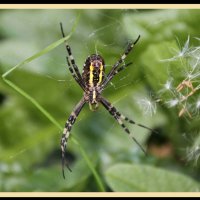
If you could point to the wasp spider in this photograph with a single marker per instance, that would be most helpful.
(93, 81)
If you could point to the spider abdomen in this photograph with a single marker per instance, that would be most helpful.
(93, 71)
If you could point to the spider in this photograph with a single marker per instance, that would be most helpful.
(93, 81)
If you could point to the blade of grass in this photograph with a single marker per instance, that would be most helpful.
(89, 163)
(41, 109)
(34, 102)
(44, 51)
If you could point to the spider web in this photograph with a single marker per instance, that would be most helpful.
(24, 131)
(56, 81)
(53, 69)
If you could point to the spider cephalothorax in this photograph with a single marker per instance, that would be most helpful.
(93, 81)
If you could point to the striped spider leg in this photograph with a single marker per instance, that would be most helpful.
(72, 118)
(120, 118)
(68, 126)
(70, 61)
(115, 69)
(93, 80)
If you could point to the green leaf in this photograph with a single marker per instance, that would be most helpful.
(142, 178)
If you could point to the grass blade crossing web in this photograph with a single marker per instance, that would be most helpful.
(45, 112)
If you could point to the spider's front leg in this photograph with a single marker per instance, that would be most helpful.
(115, 69)
(71, 63)
(66, 132)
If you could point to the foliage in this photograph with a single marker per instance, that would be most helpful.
(30, 139)
(130, 178)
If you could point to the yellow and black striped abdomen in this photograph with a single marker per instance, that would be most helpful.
(93, 70)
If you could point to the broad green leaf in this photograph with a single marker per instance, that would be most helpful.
(143, 178)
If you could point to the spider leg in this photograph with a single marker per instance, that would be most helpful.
(74, 75)
(120, 118)
(71, 61)
(115, 66)
(66, 132)
(120, 69)
(117, 71)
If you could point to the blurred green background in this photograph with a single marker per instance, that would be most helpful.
(30, 157)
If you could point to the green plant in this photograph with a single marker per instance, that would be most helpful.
(99, 152)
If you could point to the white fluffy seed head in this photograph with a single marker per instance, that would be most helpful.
(147, 105)
(172, 102)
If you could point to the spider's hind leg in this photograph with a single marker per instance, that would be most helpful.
(66, 132)
(120, 118)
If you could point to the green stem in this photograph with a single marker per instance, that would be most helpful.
(34, 102)
(44, 51)
(89, 163)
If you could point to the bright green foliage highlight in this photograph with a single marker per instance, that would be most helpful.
(143, 178)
